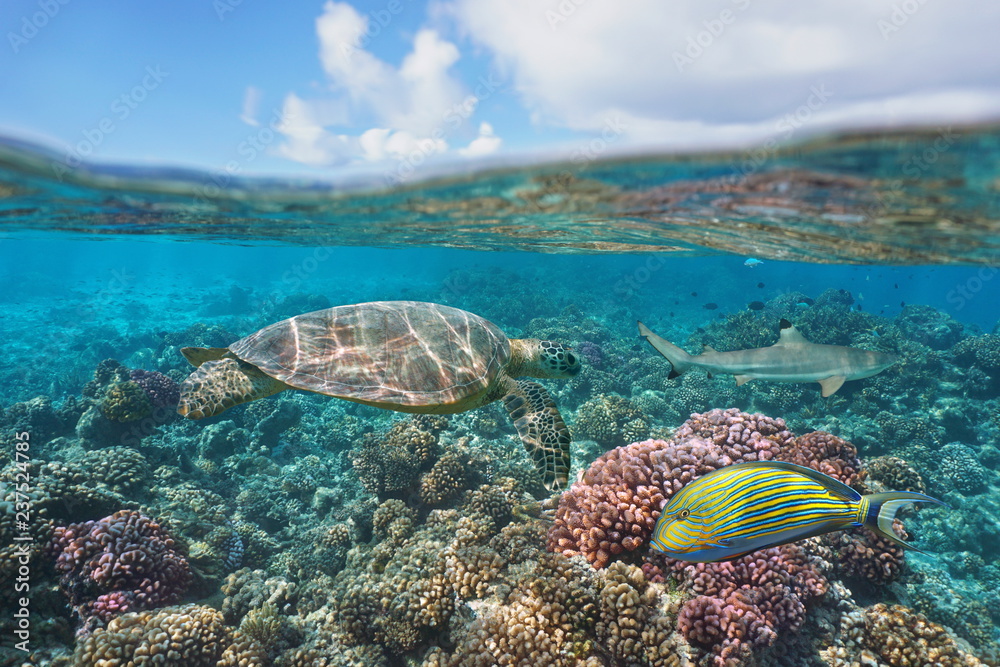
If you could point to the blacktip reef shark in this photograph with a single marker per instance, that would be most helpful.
(791, 359)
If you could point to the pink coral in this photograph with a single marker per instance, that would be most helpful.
(124, 562)
(744, 603)
(826, 453)
(614, 507)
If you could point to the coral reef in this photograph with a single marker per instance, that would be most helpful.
(126, 402)
(161, 390)
(124, 562)
(612, 510)
(611, 420)
(389, 465)
(746, 603)
(959, 469)
(182, 636)
(331, 533)
(738, 606)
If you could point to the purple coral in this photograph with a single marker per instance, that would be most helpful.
(745, 603)
(161, 390)
(592, 352)
(124, 562)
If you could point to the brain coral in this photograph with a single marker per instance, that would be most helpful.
(124, 562)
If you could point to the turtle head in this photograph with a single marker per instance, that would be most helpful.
(547, 359)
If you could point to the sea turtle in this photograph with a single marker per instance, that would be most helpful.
(405, 356)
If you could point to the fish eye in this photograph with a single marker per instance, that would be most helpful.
(683, 514)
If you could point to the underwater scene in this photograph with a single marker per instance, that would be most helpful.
(719, 409)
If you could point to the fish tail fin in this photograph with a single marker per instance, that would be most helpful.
(680, 361)
(882, 508)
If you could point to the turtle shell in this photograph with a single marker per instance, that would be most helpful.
(404, 353)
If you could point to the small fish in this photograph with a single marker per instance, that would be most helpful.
(711, 305)
(694, 294)
(902, 304)
(895, 286)
(752, 262)
(756, 305)
(749, 506)
(760, 285)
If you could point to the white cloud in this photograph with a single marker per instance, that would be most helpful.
(689, 73)
(306, 138)
(407, 105)
(485, 144)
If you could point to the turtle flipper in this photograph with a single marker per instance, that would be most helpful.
(542, 430)
(216, 386)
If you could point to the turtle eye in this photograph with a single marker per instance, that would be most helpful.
(570, 359)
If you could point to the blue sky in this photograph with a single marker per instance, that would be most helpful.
(392, 86)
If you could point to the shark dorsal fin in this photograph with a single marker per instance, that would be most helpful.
(790, 335)
(707, 348)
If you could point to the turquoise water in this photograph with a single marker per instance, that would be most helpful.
(311, 531)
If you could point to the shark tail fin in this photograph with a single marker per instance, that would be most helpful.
(680, 361)
(882, 508)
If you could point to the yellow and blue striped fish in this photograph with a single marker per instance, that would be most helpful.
(750, 506)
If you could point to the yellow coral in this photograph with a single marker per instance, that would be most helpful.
(126, 402)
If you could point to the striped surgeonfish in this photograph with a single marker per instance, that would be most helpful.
(749, 506)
